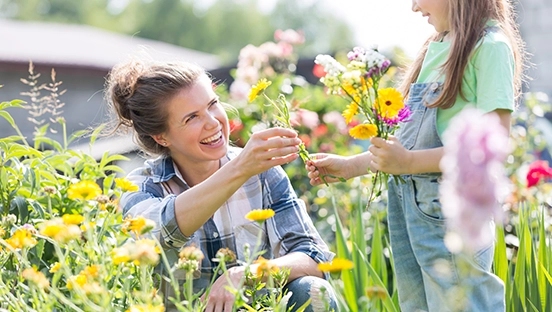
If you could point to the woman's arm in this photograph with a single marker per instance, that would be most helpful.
(264, 150)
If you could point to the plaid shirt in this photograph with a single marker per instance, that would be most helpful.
(290, 230)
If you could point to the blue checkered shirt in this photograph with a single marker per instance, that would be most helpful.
(290, 230)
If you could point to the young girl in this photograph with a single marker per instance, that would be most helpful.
(474, 59)
(199, 189)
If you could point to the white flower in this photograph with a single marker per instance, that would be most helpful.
(331, 66)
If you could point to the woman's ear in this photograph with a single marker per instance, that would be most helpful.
(160, 139)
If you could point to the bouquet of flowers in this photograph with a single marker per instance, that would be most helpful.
(380, 110)
(358, 82)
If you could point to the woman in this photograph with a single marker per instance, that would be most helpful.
(199, 189)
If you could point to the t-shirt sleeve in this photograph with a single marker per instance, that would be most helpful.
(495, 68)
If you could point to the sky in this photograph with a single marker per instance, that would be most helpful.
(386, 23)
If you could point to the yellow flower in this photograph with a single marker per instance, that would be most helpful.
(72, 219)
(336, 265)
(77, 281)
(35, 277)
(120, 255)
(55, 267)
(265, 266)
(349, 89)
(191, 253)
(145, 252)
(389, 103)
(138, 225)
(364, 131)
(59, 231)
(259, 215)
(85, 190)
(92, 271)
(21, 238)
(256, 89)
(146, 308)
(125, 185)
(350, 112)
(376, 292)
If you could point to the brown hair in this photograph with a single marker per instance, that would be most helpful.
(468, 20)
(137, 91)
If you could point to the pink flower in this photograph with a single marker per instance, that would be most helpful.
(290, 36)
(305, 118)
(474, 181)
(538, 170)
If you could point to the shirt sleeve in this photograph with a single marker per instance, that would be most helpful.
(495, 70)
(291, 229)
(150, 202)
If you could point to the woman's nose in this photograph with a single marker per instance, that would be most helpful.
(415, 7)
(212, 121)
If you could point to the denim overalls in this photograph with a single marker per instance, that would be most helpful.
(428, 275)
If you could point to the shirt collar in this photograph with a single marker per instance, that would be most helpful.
(163, 168)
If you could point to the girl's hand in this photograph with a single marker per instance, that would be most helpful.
(220, 299)
(389, 156)
(266, 149)
(323, 164)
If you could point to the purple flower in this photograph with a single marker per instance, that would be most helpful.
(403, 116)
(474, 181)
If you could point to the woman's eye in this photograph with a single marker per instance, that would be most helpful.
(190, 118)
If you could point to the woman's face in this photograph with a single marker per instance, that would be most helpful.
(197, 126)
(435, 10)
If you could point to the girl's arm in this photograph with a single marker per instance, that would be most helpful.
(346, 167)
(391, 157)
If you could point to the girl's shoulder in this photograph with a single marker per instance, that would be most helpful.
(493, 44)
(493, 36)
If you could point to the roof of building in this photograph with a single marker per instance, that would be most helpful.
(84, 46)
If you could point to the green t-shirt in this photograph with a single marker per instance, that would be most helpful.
(488, 82)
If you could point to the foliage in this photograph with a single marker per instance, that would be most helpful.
(64, 245)
(221, 28)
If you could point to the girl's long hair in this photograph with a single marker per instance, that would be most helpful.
(468, 20)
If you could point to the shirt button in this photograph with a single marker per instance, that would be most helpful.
(215, 235)
(434, 86)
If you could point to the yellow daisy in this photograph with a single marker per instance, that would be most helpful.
(259, 215)
(72, 219)
(256, 89)
(265, 266)
(36, 277)
(125, 185)
(364, 131)
(85, 190)
(389, 103)
(350, 112)
(336, 265)
(55, 267)
(21, 238)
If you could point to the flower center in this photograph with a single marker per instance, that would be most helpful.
(388, 103)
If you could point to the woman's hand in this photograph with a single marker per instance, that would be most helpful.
(389, 156)
(268, 148)
(220, 299)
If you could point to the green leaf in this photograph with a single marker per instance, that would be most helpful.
(8, 117)
(20, 204)
(96, 133)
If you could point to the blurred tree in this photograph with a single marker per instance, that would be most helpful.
(222, 28)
